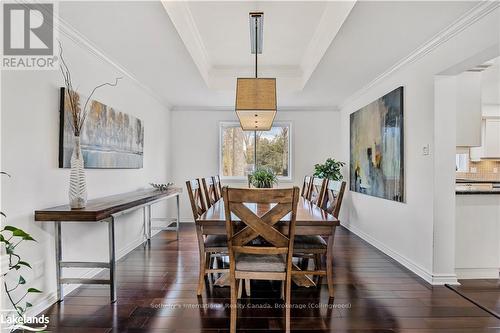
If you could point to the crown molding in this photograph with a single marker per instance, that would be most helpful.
(66, 29)
(181, 108)
(328, 27)
(186, 27)
(463, 22)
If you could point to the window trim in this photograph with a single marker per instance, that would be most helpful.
(239, 179)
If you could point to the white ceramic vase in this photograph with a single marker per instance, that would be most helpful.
(77, 181)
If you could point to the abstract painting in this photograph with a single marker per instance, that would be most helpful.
(377, 148)
(110, 139)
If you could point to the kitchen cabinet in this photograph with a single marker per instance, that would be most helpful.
(490, 141)
(492, 138)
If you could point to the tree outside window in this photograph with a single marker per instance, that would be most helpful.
(240, 149)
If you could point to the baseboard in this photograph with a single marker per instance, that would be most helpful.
(51, 298)
(436, 279)
(477, 273)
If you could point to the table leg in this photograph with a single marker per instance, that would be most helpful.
(149, 223)
(58, 252)
(329, 264)
(178, 216)
(112, 259)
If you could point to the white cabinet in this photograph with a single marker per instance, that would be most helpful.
(468, 109)
(490, 141)
(492, 138)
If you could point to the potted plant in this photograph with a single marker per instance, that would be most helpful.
(15, 285)
(331, 169)
(262, 178)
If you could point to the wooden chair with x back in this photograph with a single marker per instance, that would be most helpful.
(271, 259)
(306, 187)
(210, 190)
(208, 245)
(218, 186)
(315, 246)
(317, 190)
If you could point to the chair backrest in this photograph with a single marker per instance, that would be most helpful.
(218, 186)
(271, 206)
(317, 190)
(306, 187)
(210, 191)
(332, 199)
(196, 198)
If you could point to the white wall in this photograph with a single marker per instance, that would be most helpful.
(415, 233)
(30, 123)
(195, 142)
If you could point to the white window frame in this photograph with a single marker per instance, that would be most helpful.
(238, 179)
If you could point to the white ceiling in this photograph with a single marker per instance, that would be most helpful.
(296, 35)
(143, 39)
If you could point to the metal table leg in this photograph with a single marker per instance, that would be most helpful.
(58, 251)
(178, 217)
(149, 223)
(112, 259)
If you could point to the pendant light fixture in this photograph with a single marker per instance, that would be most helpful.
(256, 97)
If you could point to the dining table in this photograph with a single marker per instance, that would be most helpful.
(310, 220)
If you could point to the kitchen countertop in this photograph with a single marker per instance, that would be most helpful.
(464, 186)
(479, 181)
(472, 191)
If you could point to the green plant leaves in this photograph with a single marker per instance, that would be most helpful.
(263, 178)
(24, 263)
(21, 280)
(33, 290)
(16, 232)
(331, 169)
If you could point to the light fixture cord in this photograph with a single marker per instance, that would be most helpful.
(256, 44)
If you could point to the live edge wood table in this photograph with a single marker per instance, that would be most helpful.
(310, 220)
(105, 210)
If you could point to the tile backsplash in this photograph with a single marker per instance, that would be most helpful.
(485, 170)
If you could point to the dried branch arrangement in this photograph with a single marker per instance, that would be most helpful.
(78, 114)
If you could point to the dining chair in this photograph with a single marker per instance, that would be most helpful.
(314, 246)
(209, 188)
(317, 190)
(218, 186)
(209, 245)
(260, 248)
(306, 187)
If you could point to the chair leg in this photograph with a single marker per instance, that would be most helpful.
(247, 287)
(201, 277)
(329, 265)
(288, 285)
(234, 301)
(317, 267)
(211, 261)
(240, 288)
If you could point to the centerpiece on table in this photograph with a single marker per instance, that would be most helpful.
(262, 178)
(77, 181)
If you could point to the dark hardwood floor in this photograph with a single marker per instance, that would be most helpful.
(484, 292)
(157, 293)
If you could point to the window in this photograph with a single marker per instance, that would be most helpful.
(462, 164)
(240, 149)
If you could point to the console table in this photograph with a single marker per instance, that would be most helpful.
(104, 210)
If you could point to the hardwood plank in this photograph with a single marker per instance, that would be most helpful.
(157, 293)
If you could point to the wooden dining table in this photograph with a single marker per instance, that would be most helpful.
(310, 220)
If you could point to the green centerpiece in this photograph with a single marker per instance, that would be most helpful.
(262, 178)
